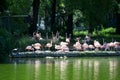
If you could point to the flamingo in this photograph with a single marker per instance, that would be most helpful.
(77, 46)
(37, 46)
(116, 43)
(87, 38)
(85, 46)
(105, 46)
(37, 35)
(15, 50)
(64, 48)
(117, 46)
(91, 47)
(54, 38)
(63, 43)
(40, 37)
(68, 38)
(29, 48)
(57, 47)
(49, 45)
(111, 45)
(97, 44)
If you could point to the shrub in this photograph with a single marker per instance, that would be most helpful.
(77, 33)
(23, 42)
(105, 31)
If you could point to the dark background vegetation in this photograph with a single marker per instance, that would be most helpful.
(18, 19)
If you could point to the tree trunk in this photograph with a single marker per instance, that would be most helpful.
(70, 24)
(118, 24)
(3, 5)
(90, 30)
(117, 15)
(53, 27)
(33, 25)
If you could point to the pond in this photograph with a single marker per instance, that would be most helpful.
(85, 68)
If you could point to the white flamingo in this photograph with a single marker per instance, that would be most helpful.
(68, 38)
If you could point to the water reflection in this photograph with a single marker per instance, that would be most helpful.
(62, 69)
(112, 69)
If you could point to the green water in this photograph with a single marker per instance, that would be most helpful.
(97, 68)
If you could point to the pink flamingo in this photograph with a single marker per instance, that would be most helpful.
(49, 45)
(37, 46)
(97, 44)
(85, 46)
(77, 46)
(29, 48)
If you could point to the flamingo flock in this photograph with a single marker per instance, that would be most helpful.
(65, 46)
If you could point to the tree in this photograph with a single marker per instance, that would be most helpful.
(70, 5)
(19, 7)
(70, 24)
(33, 25)
(95, 12)
(53, 14)
(3, 5)
(117, 14)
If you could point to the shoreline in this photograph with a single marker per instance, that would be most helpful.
(50, 54)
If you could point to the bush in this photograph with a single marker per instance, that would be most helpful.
(104, 32)
(77, 33)
(23, 42)
(109, 30)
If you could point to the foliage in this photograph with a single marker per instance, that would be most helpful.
(44, 8)
(95, 12)
(79, 33)
(23, 42)
(19, 6)
(107, 30)
(6, 42)
(104, 31)
(3, 5)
